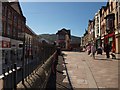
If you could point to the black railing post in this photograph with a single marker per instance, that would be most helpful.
(23, 58)
(12, 75)
(8, 69)
(15, 78)
(8, 78)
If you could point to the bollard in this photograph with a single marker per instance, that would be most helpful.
(12, 75)
(15, 68)
(22, 75)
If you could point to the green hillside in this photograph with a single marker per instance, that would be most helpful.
(53, 37)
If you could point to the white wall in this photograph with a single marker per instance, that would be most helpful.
(97, 24)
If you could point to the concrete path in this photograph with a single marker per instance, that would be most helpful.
(85, 72)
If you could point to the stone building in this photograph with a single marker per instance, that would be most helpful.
(117, 31)
(103, 24)
(97, 29)
(91, 31)
(111, 25)
(85, 39)
(64, 38)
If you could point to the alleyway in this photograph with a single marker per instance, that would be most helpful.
(85, 72)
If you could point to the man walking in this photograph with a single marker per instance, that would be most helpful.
(107, 50)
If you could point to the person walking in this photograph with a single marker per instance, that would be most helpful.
(89, 49)
(107, 50)
(93, 50)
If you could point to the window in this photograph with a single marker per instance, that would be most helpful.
(14, 32)
(3, 28)
(111, 6)
(117, 18)
(19, 20)
(119, 15)
(61, 37)
(9, 14)
(97, 29)
(110, 23)
(4, 10)
(15, 19)
(19, 23)
(8, 29)
(19, 33)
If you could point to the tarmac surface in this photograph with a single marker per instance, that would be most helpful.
(77, 71)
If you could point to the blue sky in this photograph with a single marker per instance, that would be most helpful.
(49, 17)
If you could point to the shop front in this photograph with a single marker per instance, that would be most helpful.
(6, 49)
(98, 42)
(110, 39)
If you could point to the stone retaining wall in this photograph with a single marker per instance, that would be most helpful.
(39, 78)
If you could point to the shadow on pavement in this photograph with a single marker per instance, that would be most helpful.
(59, 80)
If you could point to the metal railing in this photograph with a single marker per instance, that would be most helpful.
(21, 71)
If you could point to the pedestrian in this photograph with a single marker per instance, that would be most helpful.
(93, 50)
(89, 49)
(107, 50)
(99, 50)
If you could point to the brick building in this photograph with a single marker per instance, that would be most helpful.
(13, 25)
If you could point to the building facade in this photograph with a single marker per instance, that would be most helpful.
(106, 27)
(91, 35)
(13, 25)
(64, 38)
(117, 32)
(97, 29)
(31, 43)
(111, 25)
(103, 14)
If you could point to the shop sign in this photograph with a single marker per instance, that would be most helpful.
(5, 44)
(110, 39)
